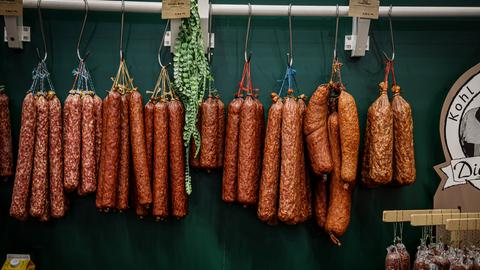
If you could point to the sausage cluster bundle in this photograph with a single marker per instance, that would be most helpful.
(285, 192)
(389, 152)
(211, 121)
(38, 189)
(442, 257)
(243, 145)
(6, 151)
(397, 258)
(332, 135)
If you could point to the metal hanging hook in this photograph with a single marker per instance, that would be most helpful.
(391, 36)
(161, 46)
(121, 31)
(247, 57)
(290, 54)
(42, 32)
(336, 34)
(81, 33)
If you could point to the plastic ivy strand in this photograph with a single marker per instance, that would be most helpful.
(190, 73)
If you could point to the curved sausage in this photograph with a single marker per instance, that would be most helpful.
(247, 182)
(305, 189)
(209, 130)
(404, 171)
(38, 198)
(88, 183)
(6, 151)
(139, 153)
(321, 201)
(72, 127)
(149, 107)
(98, 109)
(23, 174)
(268, 193)
(230, 163)
(160, 161)
(220, 132)
(177, 159)
(340, 200)
(124, 169)
(101, 168)
(289, 199)
(57, 195)
(349, 135)
(112, 150)
(315, 130)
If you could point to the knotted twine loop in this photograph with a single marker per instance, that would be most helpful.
(163, 87)
(246, 84)
(39, 75)
(82, 83)
(289, 83)
(123, 82)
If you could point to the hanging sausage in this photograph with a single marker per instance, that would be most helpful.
(6, 151)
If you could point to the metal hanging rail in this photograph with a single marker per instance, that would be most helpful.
(258, 10)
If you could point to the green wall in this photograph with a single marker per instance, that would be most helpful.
(431, 54)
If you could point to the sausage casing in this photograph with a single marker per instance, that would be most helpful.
(55, 155)
(349, 136)
(160, 161)
(315, 130)
(38, 198)
(176, 120)
(72, 128)
(139, 154)
(230, 163)
(268, 193)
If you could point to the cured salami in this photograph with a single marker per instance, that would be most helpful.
(101, 169)
(209, 132)
(57, 195)
(39, 194)
(177, 159)
(220, 132)
(315, 130)
(230, 164)
(268, 194)
(6, 151)
(139, 154)
(160, 161)
(88, 183)
(148, 114)
(72, 127)
(98, 108)
(124, 169)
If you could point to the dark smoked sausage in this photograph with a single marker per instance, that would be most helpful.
(6, 151)
(23, 174)
(38, 198)
(139, 153)
(177, 159)
(124, 169)
(57, 195)
(160, 161)
(268, 194)
(305, 189)
(230, 164)
(349, 136)
(321, 200)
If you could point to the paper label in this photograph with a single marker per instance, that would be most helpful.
(175, 9)
(364, 8)
(11, 7)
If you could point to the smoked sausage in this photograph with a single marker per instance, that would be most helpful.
(38, 198)
(88, 183)
(57, 195)
(305, 189)
(72, 127)
(209, 130)
(247, 183)
(321, 200)
(160, 160)
(315, 130)
(23, 174)
(220, 132)
(289, 194)
(124, 169)
(230, 164)
(340, 195)
(268, 193)
(6, 151)
(176, 119)
(349, 135)
(139, 154)
(112, 150)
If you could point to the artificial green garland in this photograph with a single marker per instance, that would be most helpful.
(190, 71)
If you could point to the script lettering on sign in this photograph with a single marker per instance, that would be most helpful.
(364, 8)
(175, 9)
(11, 7)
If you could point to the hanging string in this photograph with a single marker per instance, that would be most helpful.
(82, 79)
(39, 75)
(245, 84)
(288, 81)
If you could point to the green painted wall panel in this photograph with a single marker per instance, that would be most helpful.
(431, 54)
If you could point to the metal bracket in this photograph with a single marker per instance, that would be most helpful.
(15, 32)
(359, 37)
(203, 10)
(351, 40)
